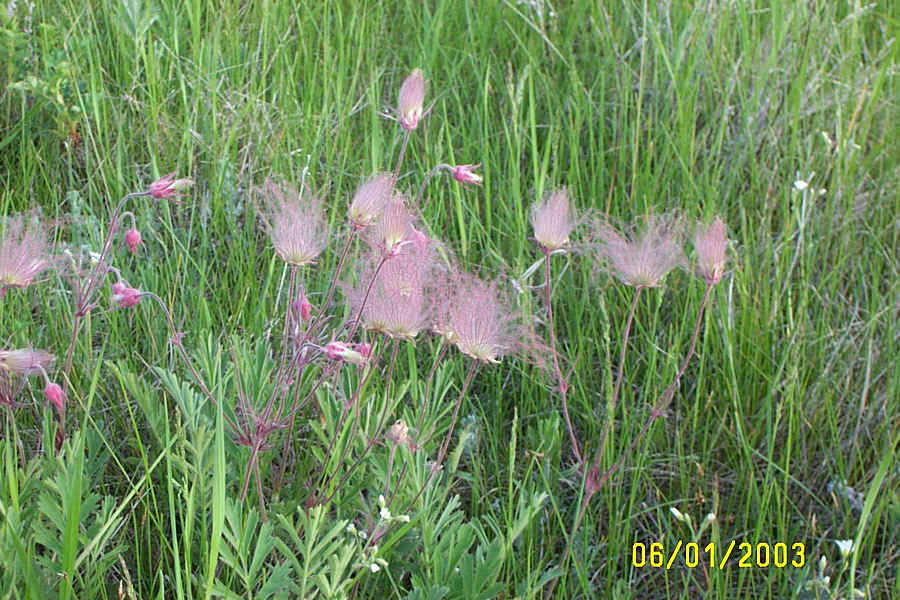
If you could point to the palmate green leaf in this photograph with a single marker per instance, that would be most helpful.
(322, 558)
(435, 592)
(248, 552)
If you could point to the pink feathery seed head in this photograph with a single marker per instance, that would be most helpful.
(133, 239)
(23, 251)
(398, 303)
(26, 361)
(295, 222)
(393, 229)
(56, 396)
(124, 296)
(477, 320)
(553, 220)
(710, 242)
(370, 199)
(411, 100)
(642, 259)
(355, 354)
(467, 174)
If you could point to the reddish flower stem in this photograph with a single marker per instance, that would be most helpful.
(563, 384)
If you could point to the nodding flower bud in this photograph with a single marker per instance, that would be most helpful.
(133, 239)
(57, 397)
(303, 308)
(168, 187)
(399, 433)
(467, 174)
(411, 99)
(355, 354)
(124, 296)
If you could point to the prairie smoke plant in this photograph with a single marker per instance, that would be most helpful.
(26, 361)
(553, 220)
(710, 242)
(23, 252)
(133, 240)
(642, 259)
(124, 296)
(168, 187)
(370, 199)
(474, 318)
(56, 396)
(392, 228)
(355, 354)
(295, 223)
(411, 99)
(467, 174)
(391, 293)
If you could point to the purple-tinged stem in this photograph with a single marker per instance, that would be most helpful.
(420, 441)
(563, 384)
(87, 292)
(373, 440)
(353, 402)
(593, 483)
(473, 368)
(402, 152)
(431, 174)
(176, 341)
(612, 412)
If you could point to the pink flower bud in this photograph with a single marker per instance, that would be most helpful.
(133, 239)
(355, 354)
(411, 99)
(124, 296)
(57, 397)
(168, 187)
(466, 174)
(303, 308)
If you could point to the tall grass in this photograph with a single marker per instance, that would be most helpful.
(782, 117)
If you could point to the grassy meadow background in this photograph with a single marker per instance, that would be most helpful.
(780, 116)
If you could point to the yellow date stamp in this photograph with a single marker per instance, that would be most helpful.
(744, 555)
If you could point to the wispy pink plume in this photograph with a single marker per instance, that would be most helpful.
(642, 258)
(392, 229)
(26, 361)
(23, 252)
(553, 220)
(710, 242)
(411, 100)
(370, 199)
(398, 303)
(295, 223)
(472, 315)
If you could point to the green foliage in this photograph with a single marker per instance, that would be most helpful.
(782, 118)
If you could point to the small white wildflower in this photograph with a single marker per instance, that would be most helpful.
(845, 546)
(351, 528)
(680, 516)
(711, 517)
(374, 567)
(823, 562)
(801, 184)
(381, 501)
(382, 562)
(385, 513)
